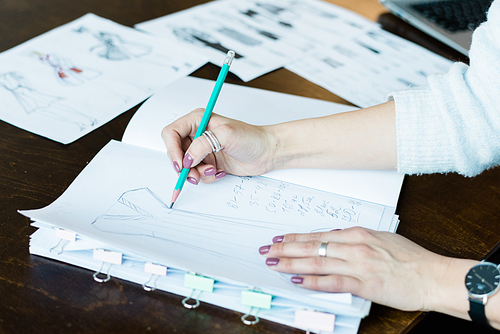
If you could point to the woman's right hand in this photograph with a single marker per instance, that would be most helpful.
(246, 149)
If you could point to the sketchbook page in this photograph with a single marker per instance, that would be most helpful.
(264, 35)
(366, 68)
(120, 199)
(260, 107)
(75, 78)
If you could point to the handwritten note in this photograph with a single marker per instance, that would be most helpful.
(264, 199)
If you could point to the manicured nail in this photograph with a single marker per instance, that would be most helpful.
(192, 180)
(272, 262)
(264, 249)
(220, 175)
(176, 167)
(209, 172)
(278, 239)
(337, 229)
(187, 161)
(297, 280)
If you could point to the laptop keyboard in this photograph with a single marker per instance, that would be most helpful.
(456, 15)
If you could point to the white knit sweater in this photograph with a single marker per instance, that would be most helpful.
(453, 124)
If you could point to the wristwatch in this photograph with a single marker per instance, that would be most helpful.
(482, 281)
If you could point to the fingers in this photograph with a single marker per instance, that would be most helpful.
(306, 249)
(329, 283)
(184, 152)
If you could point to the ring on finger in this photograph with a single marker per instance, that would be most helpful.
(322, 249)
(213, 141)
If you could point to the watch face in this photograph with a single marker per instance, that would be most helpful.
(483, 279)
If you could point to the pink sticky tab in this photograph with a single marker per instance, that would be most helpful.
(313, 320)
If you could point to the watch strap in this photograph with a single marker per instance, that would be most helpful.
(477, 313)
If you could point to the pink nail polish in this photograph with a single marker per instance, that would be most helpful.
(176, 167)
(220, 175)
(209, 172)
(337, 229)
(264, 249)
(192, 180)
(297, 280)
(272, 262)
(278, 239)
(187, 161)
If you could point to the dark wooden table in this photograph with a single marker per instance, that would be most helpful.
(448, 214)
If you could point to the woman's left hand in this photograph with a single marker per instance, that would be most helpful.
(383, 267)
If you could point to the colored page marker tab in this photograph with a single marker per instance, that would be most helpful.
(200, 283)
(155, 269)
(313, 320)
(107, 256)
(65, 235)
(256, 299)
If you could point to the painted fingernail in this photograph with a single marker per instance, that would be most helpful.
(220, 175)
(278, 239)
(272, 262)
(187, 161)
(297, 280)
(264, 249)
(337, 229)
(209, 172)
(176, 167)
(192, 180)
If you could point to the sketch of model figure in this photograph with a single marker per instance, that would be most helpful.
(113, 47)
(33, 101)
(140, 212)
(65, 71)
(194, 36)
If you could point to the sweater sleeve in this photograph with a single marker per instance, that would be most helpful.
(453, 124)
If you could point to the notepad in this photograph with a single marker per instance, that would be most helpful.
(119, 226)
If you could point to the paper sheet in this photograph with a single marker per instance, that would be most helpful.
(265, 35)
(366, 68)
(73, 79)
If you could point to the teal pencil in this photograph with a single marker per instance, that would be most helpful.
(204, 121)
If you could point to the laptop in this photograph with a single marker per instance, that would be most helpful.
(450, 21)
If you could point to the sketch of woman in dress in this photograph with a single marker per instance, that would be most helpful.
(113, 47)
(66, 72)
(33, 101)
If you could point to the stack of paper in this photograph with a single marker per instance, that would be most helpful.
(114, 218)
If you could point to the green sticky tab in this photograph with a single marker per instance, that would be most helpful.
(256, 299)
(198, 282)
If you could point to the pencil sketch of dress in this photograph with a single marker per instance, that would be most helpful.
(195, 36)
(66, 72)
(113, 47)
(31, 100)
(140, 212)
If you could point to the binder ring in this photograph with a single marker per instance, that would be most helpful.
(100, 279)
(250, 322)
(62, 243)
(191, 306)
(146, 287)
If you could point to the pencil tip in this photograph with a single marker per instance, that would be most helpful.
(171, 205)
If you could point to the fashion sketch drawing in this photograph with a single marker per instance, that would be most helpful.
(34, 101)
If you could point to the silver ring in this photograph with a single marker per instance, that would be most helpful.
(322, 249)
(213, 141)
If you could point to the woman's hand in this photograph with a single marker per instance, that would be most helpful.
(246, 149)
(379, 266)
